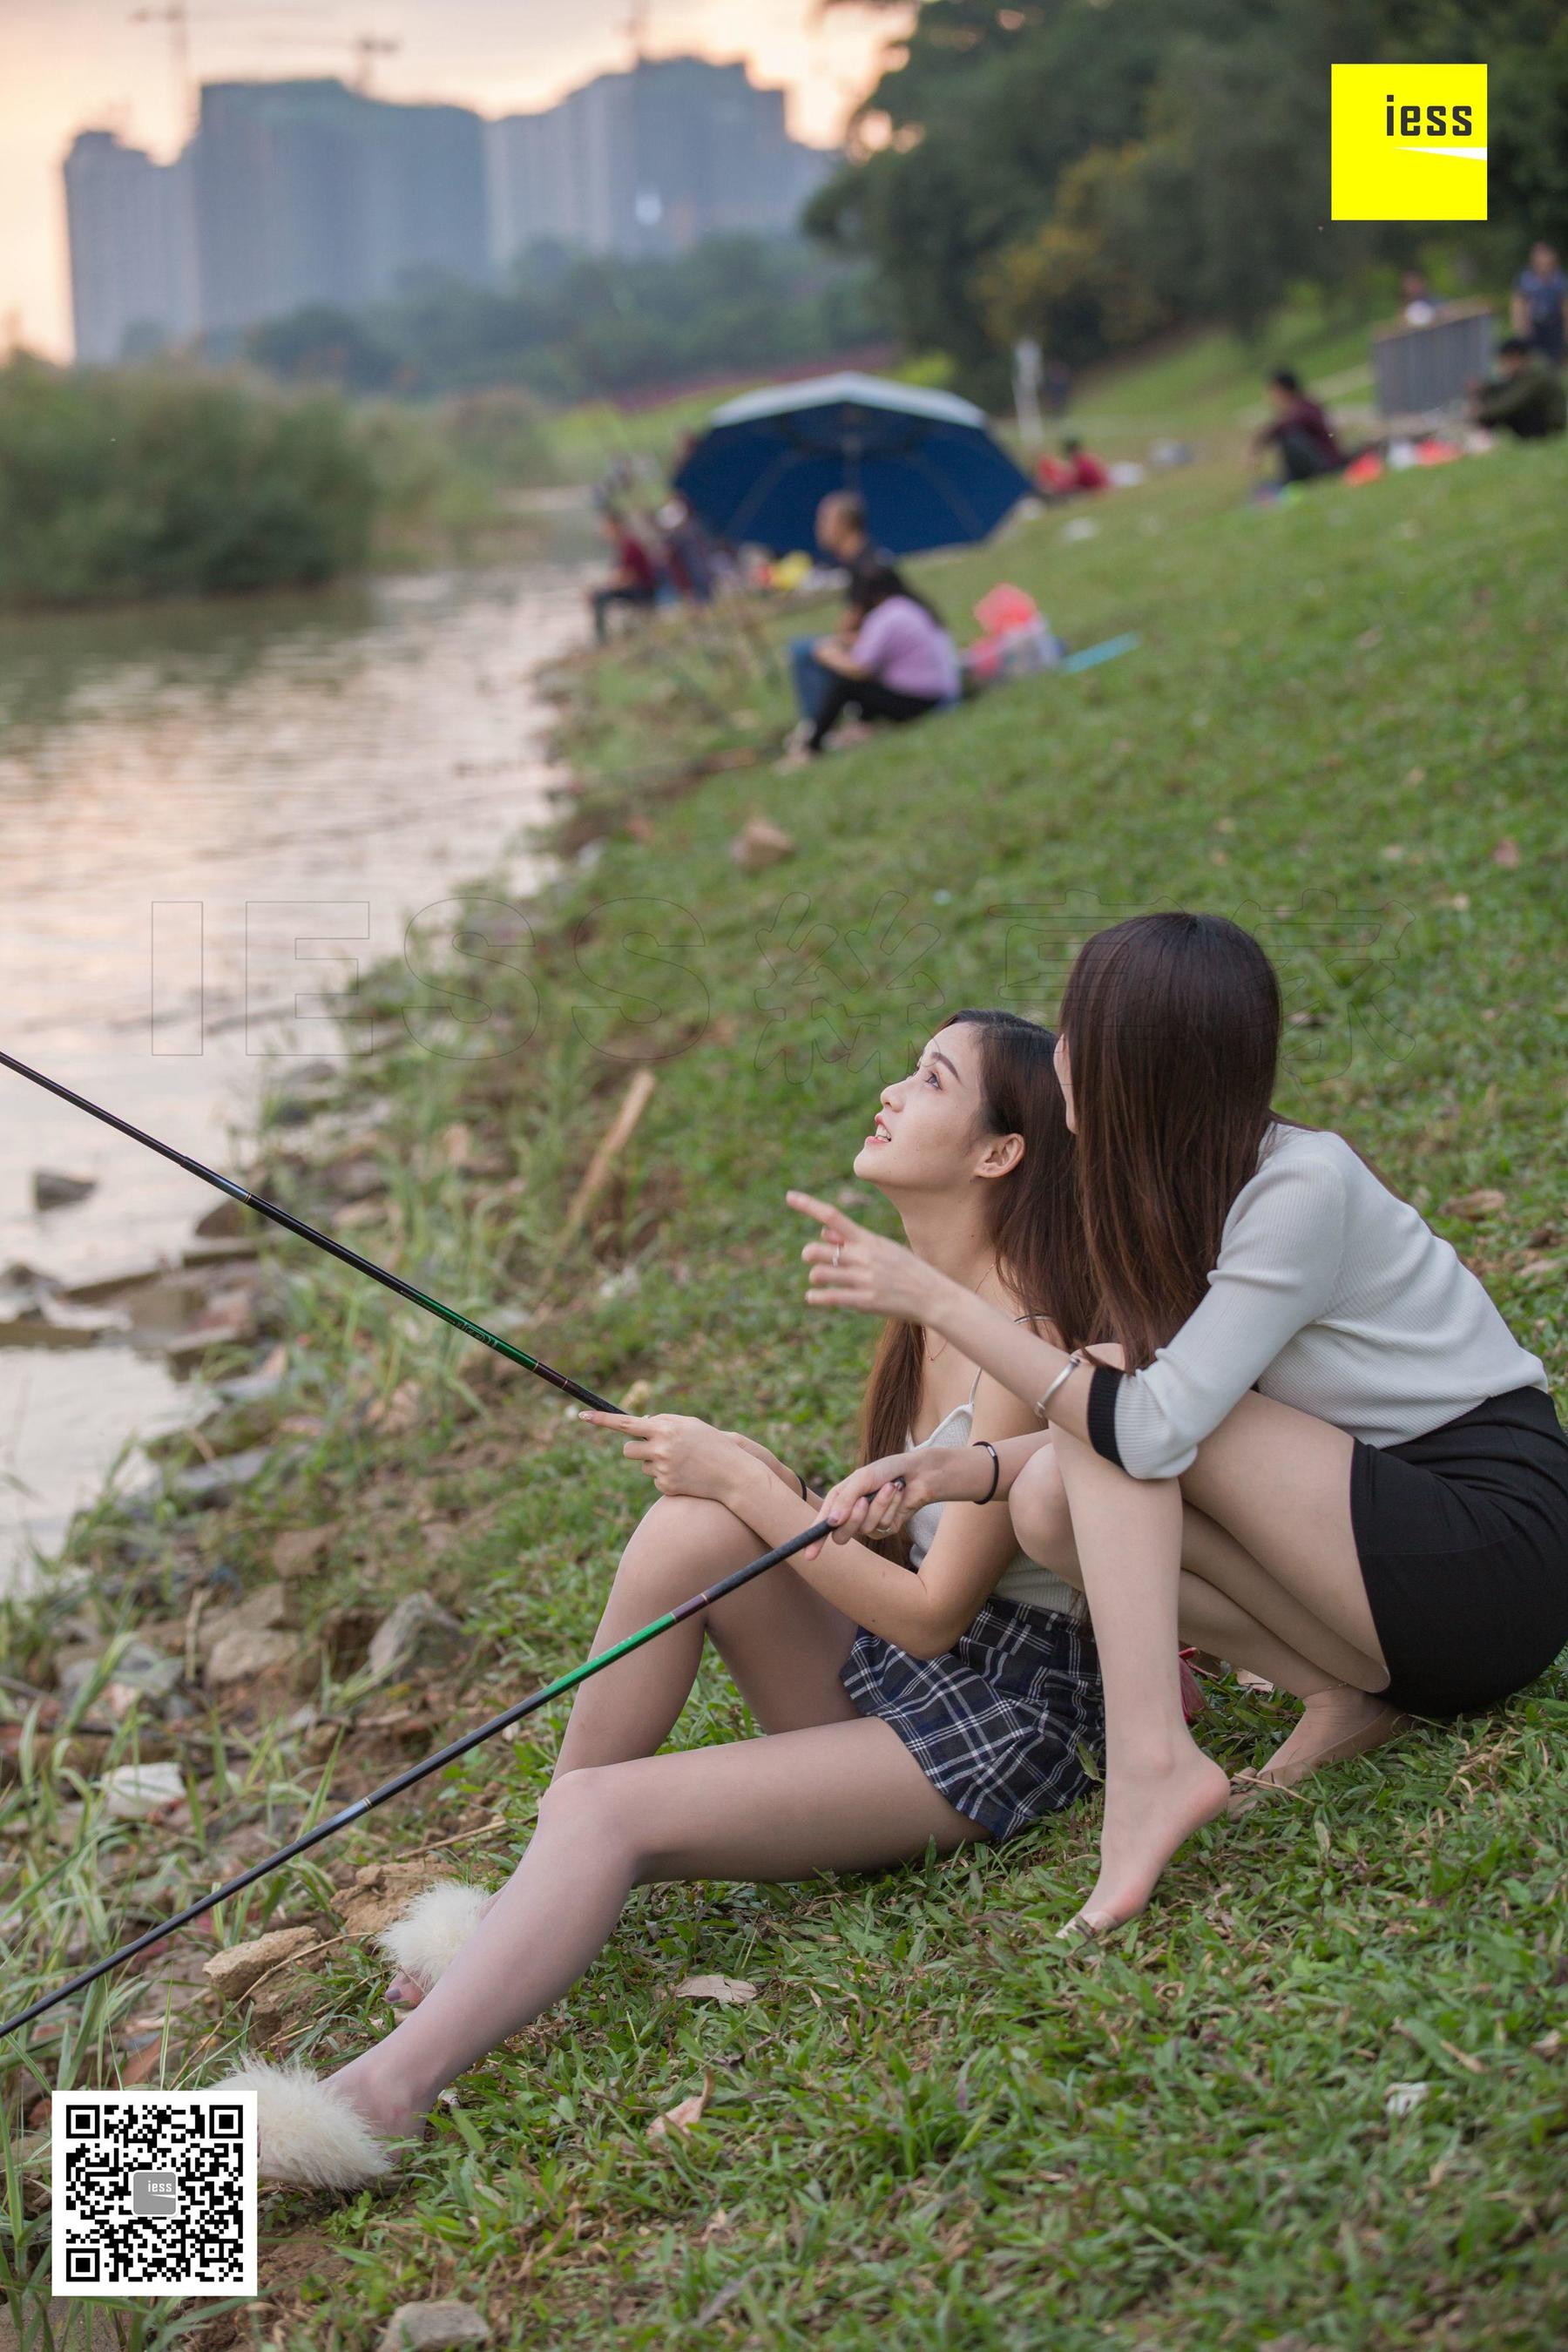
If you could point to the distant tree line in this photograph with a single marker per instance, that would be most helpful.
(1092, 172)
(569, 327)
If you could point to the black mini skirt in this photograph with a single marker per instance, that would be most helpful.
(1462, 1537)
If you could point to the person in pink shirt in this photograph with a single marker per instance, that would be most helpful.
(900, 664)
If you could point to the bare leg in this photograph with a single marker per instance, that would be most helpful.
(840, 1796)
(781, 1640)
(1229, 1604)
(1278, 1483)
(1158, 1786)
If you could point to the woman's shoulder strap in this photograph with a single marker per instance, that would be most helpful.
(974, 1387)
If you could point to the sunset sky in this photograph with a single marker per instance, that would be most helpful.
(68, 65)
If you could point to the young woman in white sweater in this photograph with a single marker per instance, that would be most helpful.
(1302, 1365)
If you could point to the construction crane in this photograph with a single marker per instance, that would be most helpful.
(637, 29)
(366, 48)
(176, 14)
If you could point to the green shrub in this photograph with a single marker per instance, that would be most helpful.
(125, 483)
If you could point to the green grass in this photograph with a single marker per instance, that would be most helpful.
(936, 2128)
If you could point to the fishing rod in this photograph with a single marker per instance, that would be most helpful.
(323, 1241)
(443, 1756)
(417, 1772)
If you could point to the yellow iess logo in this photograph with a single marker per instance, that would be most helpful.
(1409, 143)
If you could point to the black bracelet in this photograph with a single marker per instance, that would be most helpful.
(804, 1489)
(996, 1467)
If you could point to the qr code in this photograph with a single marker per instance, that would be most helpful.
(154, 2192)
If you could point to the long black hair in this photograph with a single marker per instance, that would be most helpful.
(1034, 1223)
(874, 584)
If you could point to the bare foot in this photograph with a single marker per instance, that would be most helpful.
(403, 1993)
(384, 2112)
(1147, 1814)
(1334, 1724)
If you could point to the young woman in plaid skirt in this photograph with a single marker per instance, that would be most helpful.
(915, 1691)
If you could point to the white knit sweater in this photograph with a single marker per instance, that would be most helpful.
(1331, 1294)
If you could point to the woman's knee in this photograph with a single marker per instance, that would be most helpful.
(677, 1541)
(1041, 1519)
(592, 1805)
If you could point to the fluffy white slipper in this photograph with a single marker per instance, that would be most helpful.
(424, 1939)
(307, 2135)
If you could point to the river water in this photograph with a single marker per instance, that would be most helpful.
(210, 816)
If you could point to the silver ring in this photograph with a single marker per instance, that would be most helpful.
(837, 1251)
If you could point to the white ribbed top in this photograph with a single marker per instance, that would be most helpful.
(1022, 1579)
(1331, 1294)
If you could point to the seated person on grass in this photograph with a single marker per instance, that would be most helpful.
(1525, 396)
(844, 538)
(1307, 445)
(900, 664)
(632, 580)
(1073, 472)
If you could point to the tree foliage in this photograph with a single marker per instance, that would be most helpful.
(571, 326)
(1089, 171)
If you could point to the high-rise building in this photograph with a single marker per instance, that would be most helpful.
(433, 202)
(308, 191)
(132, 251)
(649, 162)
(533, 182)
(294, 192)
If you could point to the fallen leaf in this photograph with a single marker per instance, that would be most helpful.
(1463, 2057)
(1506, 853)
(760, 844)
(732, 1990)
(1404, 2098)
(1487, 1203)
(719, 2302)
(684, 2114)
(1549, 2044)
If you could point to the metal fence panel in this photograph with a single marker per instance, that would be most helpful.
(1420, 370)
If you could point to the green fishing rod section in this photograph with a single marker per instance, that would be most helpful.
(421, 1771)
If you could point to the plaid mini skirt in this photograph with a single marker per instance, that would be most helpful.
(998, 1722)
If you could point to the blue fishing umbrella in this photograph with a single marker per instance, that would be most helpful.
(924, 462)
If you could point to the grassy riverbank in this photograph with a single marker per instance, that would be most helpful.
(934, 2125)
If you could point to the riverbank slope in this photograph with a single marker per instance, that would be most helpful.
(933, 2124)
